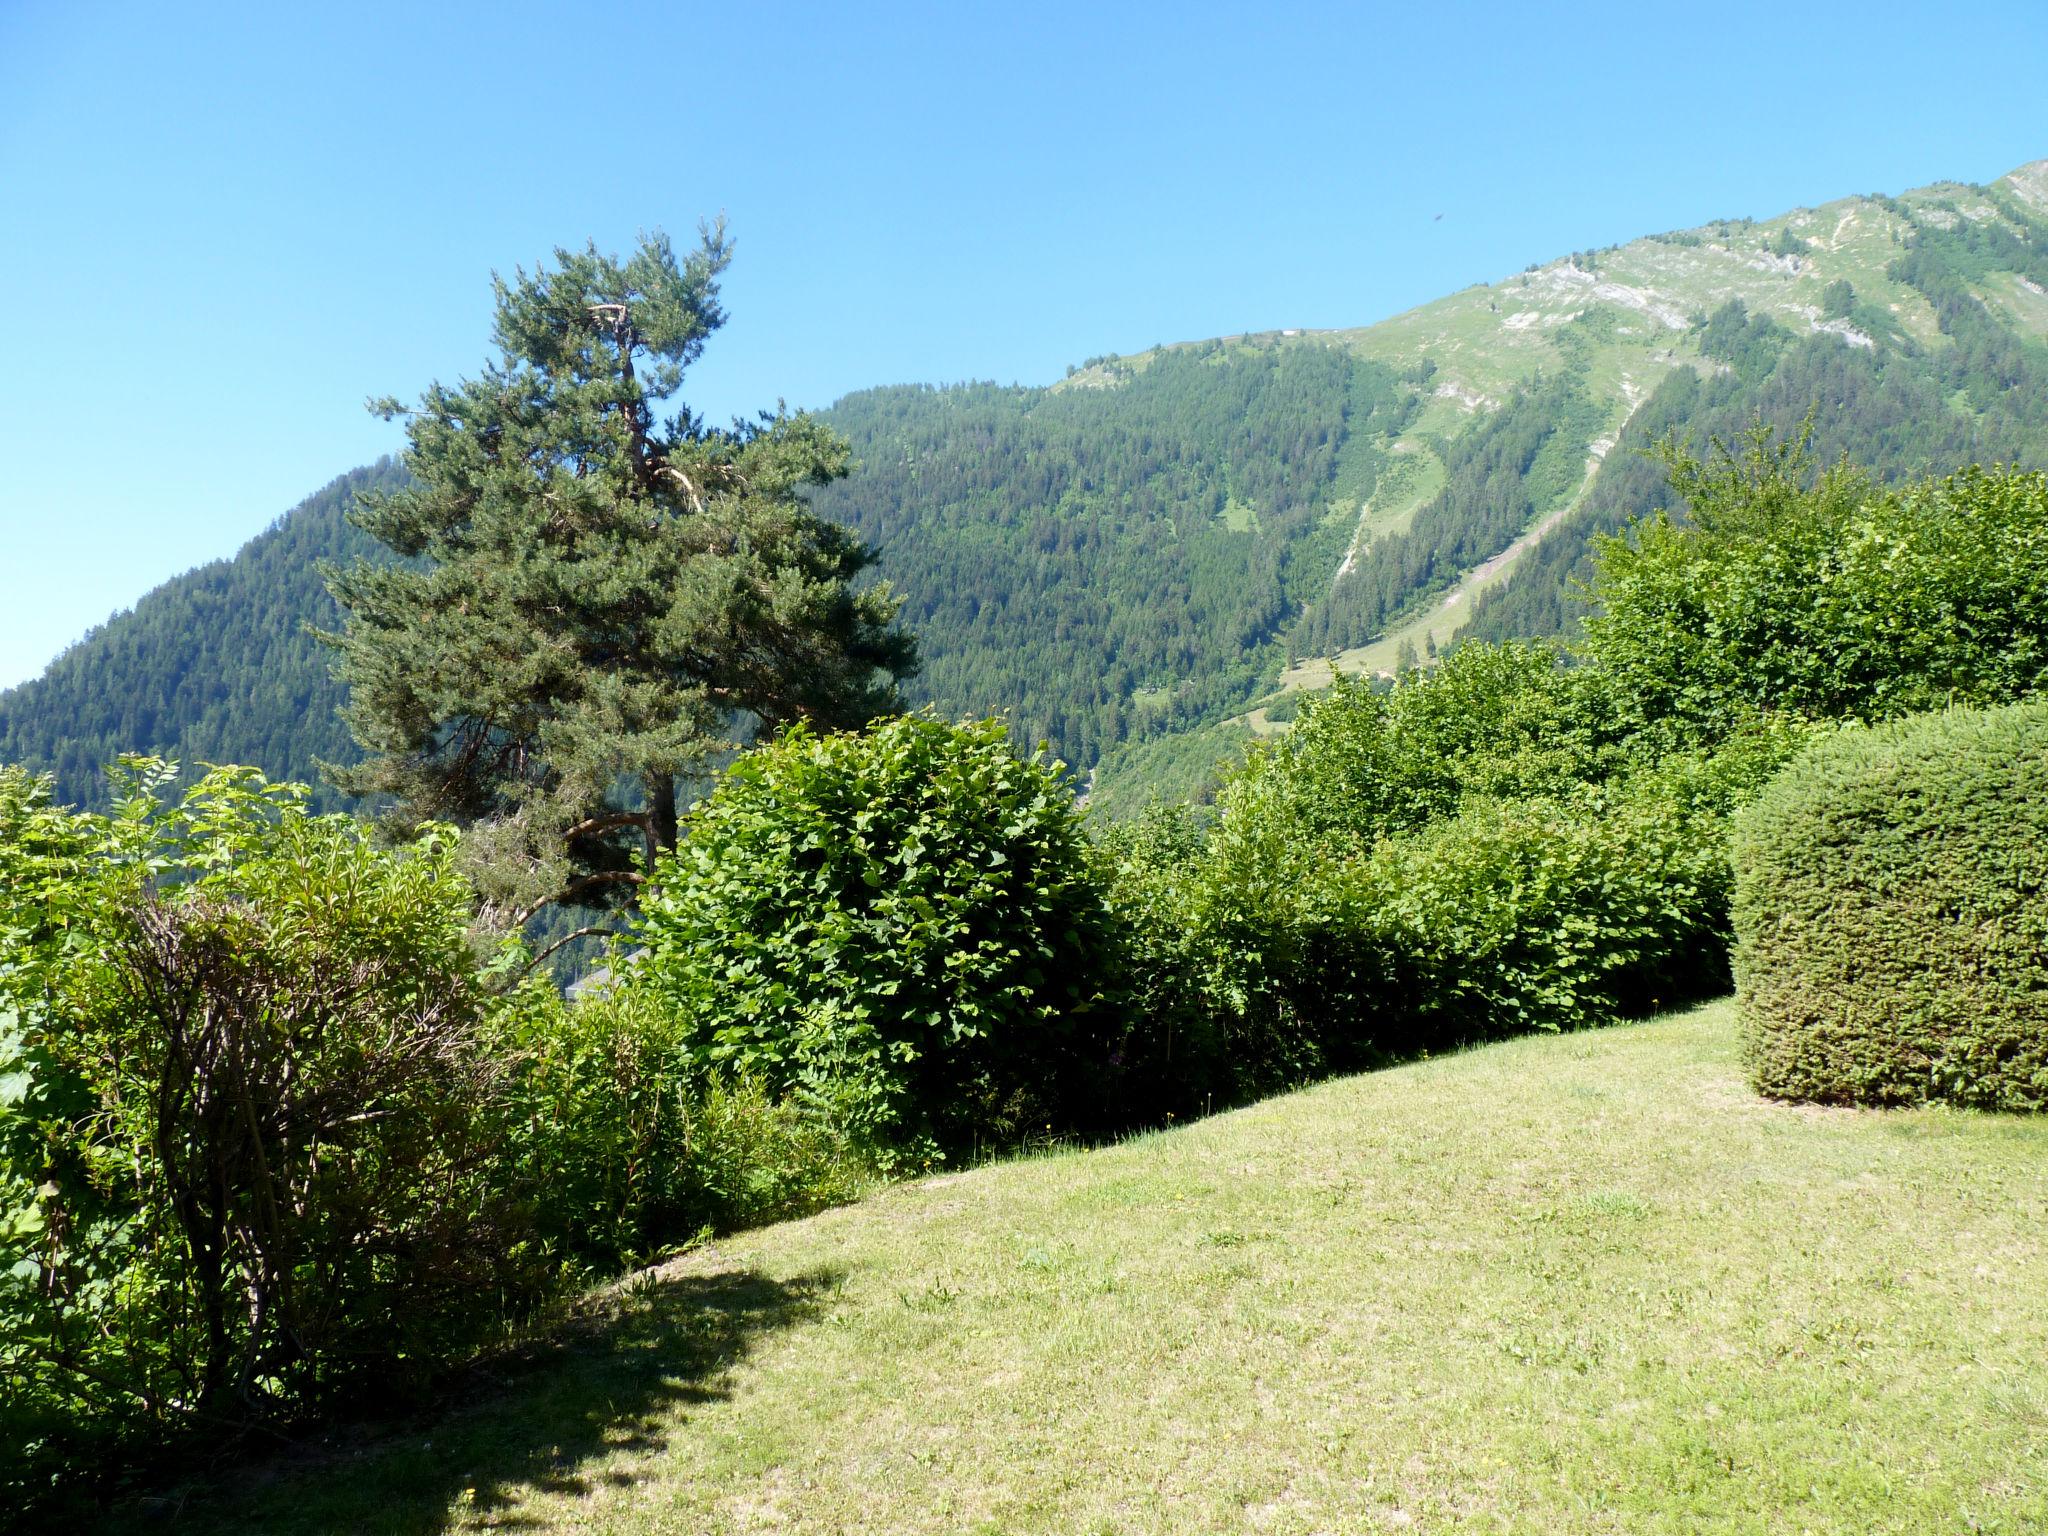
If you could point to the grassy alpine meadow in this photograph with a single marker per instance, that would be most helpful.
(1580, 1283)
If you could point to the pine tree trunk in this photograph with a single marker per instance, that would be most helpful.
(661, 815)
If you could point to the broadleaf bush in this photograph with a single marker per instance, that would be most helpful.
(633, 1148)
(901, 924)
(279, 1131)
(1474, 854)
(1823, 596)
(246, 1132)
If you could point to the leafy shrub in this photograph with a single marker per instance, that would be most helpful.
(1211, 943)
(271, 1136)
(1171, 1053)
(1328, 833)
(636, 1148)
(1266, 956)
(1891, 914)
(1504, 721)
(901, 922)
(244, 1127)
(1546, 914)
(1822, 597)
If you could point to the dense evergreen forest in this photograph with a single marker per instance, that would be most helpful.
(214, 666)
(1136, 553)
(1513, 466)
(1106, 562)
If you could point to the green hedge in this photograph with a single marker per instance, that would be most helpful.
(628, 1148)
(1257, 957)
(246, 1124)
(1891, 923)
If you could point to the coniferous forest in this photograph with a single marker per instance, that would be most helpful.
(213, 666)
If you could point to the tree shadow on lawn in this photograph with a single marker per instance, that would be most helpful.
(527, 1420)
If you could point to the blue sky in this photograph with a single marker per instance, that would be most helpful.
(225, 226)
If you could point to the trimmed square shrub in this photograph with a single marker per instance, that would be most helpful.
(1891, 926)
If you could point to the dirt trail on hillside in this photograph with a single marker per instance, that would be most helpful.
(1484, 572)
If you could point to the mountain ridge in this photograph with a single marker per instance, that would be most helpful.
(1672, 281)
(1164, 543)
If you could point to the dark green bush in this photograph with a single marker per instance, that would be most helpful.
(271, 1138)
(901, 922)
(1505, 721)
(1821, 596)
(631, 1147)
(1262, 957)
(1174, 1051)
(1547, 914)
(1891, 915)
(1214, 958)
(1256, 947)
(1476, 853)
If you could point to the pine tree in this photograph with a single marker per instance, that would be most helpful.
(595, 605)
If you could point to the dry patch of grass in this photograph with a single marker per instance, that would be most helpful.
(1579, 1284)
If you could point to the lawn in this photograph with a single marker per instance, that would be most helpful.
(1587, 1283)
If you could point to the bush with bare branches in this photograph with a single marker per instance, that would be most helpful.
(247, 1117)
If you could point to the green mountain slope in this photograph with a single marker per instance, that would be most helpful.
(1104, 562)
(1136, 555)
(214, 666)
(1098, 558)
(1912, 327)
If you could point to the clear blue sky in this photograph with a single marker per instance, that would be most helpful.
(225, 226)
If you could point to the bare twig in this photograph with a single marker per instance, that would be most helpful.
(576, 887)
(570, 938)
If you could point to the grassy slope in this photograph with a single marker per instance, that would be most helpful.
(1560, 1285)
(1488, 338)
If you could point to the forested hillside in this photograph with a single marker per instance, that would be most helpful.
(1976, 394)
(1155, 544)
(1108, 561)
(214, 666)
(1911, 328)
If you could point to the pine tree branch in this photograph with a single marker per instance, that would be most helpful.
(598, 824)
(570, 938)
(577, 887)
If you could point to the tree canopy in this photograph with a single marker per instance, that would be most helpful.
(594, 603)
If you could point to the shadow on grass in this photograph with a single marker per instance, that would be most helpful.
(538, 1419)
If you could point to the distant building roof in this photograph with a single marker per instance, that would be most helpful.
(592, 983)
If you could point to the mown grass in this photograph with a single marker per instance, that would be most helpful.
(1578, 1284)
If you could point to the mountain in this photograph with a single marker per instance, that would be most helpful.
(1912, 329)
(1143, 561)
(214, 666)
